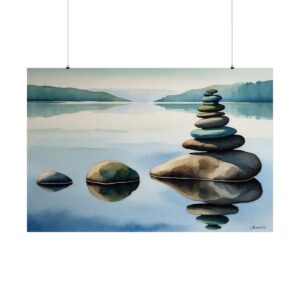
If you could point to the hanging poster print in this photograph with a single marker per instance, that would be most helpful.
(150, 149)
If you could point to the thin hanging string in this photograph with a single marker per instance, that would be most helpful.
(68, 37)
(231, 13)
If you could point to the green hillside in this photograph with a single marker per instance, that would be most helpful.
(261, 91)
(49, 93)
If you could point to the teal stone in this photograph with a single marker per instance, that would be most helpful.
(221, 132)
(213, 99)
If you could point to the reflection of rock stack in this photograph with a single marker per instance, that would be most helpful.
(219, 168)
(219, 198)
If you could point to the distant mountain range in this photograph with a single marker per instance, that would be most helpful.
(50, 93)
(139, 95)
(261, 91)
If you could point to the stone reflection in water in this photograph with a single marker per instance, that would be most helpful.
(215, 192)
(213, 227)
(217, 198)
(213, 220)
(212, 215)
(112, 192)
(53, 188)
(212, 210)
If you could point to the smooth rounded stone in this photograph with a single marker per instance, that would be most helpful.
(216, 192)
(212, 98)
(235, 165)
(212, 210)
(53, 178)
(208, 94)
(211, 108)
(213, 133)
(213, 227)
(211, 91)
(212, 122)
(213, 220)
(112, 192)
(111, 172)
(210, 114)
(220, 144)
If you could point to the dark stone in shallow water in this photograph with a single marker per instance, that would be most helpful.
(53, 178)
(113, 192)
(215, 192)
(219, 144)
(212, 210)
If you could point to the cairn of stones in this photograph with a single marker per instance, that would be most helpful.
(215, 173)
(212, 134)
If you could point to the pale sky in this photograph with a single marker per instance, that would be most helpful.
(150, 78)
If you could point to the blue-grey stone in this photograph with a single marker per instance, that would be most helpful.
(53, 178)
(214, 99)
(213, 133)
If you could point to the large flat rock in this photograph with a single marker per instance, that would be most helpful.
(233, 165)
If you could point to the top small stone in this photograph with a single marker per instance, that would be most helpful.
(211, 91)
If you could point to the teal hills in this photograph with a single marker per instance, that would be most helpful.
(260, 91)
(50, 93)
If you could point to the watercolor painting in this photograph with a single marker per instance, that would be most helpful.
(150, 150)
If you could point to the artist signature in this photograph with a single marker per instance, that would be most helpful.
(254, 227)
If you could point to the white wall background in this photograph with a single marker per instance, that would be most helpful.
(156, 33)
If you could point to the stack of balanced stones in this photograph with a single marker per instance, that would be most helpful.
(216, 157)
(212, 134)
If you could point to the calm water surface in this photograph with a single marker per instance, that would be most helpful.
(70, 137)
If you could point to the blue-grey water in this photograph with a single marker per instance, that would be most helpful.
(71, 137)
